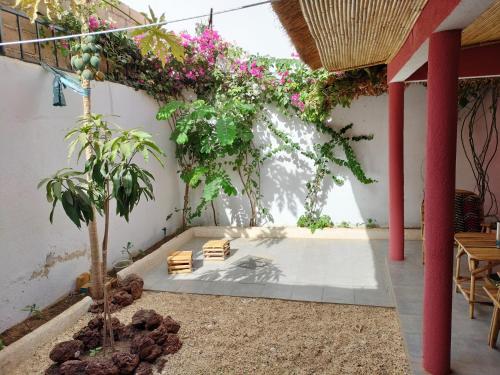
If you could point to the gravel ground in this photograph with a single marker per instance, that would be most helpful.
(232, 335)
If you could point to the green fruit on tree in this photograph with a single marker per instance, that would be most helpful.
(87, 74)
(78, 64)
(90, 39)
(94, 61)
(87, 47)
(73, 58)
(86, 58)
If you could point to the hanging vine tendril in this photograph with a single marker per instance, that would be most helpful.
(478, 100)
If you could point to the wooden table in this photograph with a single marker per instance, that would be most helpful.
(482, 256)
(493, 292)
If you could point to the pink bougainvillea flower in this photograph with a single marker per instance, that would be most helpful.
(138, 38)
(93, 23)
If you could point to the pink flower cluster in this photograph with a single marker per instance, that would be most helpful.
(253, 69)
(296, 102)
(284, 76)
(94, 23)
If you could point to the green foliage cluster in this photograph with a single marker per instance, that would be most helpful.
(322, 222)
(109, 172)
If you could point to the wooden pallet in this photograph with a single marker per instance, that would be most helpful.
(216, 250)
(180, 261)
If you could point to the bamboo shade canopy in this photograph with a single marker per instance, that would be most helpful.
(485, 29)
(349, 34)
(355, 33)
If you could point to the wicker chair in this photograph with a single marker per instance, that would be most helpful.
(468, 215)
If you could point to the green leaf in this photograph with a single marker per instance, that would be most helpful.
(169, 109)
(56, 188)
(211, 190)
(182, 138)
(71, 209)
(226, 131)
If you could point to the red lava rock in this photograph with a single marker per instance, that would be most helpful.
(122, 298)
(96, 323)
(171, 325)
(73, 367)
(126, 362)
(159, 335)
(91, 338)
(66, 350)
(144, 368)
(95, 308)
(136, 288)
(172, 344)
(129, 332)
(53, 370)
(132, 284)
(145, 347)
(101, 367)
(148, 319)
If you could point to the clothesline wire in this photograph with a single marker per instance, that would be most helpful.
(129, 28)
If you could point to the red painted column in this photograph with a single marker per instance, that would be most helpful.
(442, 85)
(396, 171)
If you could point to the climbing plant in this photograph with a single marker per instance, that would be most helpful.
(214, 134)
(478, 100)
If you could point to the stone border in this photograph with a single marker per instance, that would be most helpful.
(24, 348)
(295, 232)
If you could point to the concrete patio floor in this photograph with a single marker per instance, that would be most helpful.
(470, 353)
(316, 270)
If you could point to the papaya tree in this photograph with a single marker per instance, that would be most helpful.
(85, 60)
(112, 174)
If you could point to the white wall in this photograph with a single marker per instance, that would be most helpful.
(39, 261)
(283, 184)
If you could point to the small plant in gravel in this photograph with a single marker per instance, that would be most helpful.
(95, 351)
(127, 250)
(33, 311)
(2, 344)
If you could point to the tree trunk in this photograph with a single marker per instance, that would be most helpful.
(184, 209)
(95, 268)
(214, 213)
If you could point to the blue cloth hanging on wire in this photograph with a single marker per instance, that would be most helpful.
(61, 81)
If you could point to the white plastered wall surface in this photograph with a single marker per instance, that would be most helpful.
(283, 178)
(39, 261)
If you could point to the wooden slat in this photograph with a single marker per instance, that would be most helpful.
(485, 28)
(180, 255)
(483, 254)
